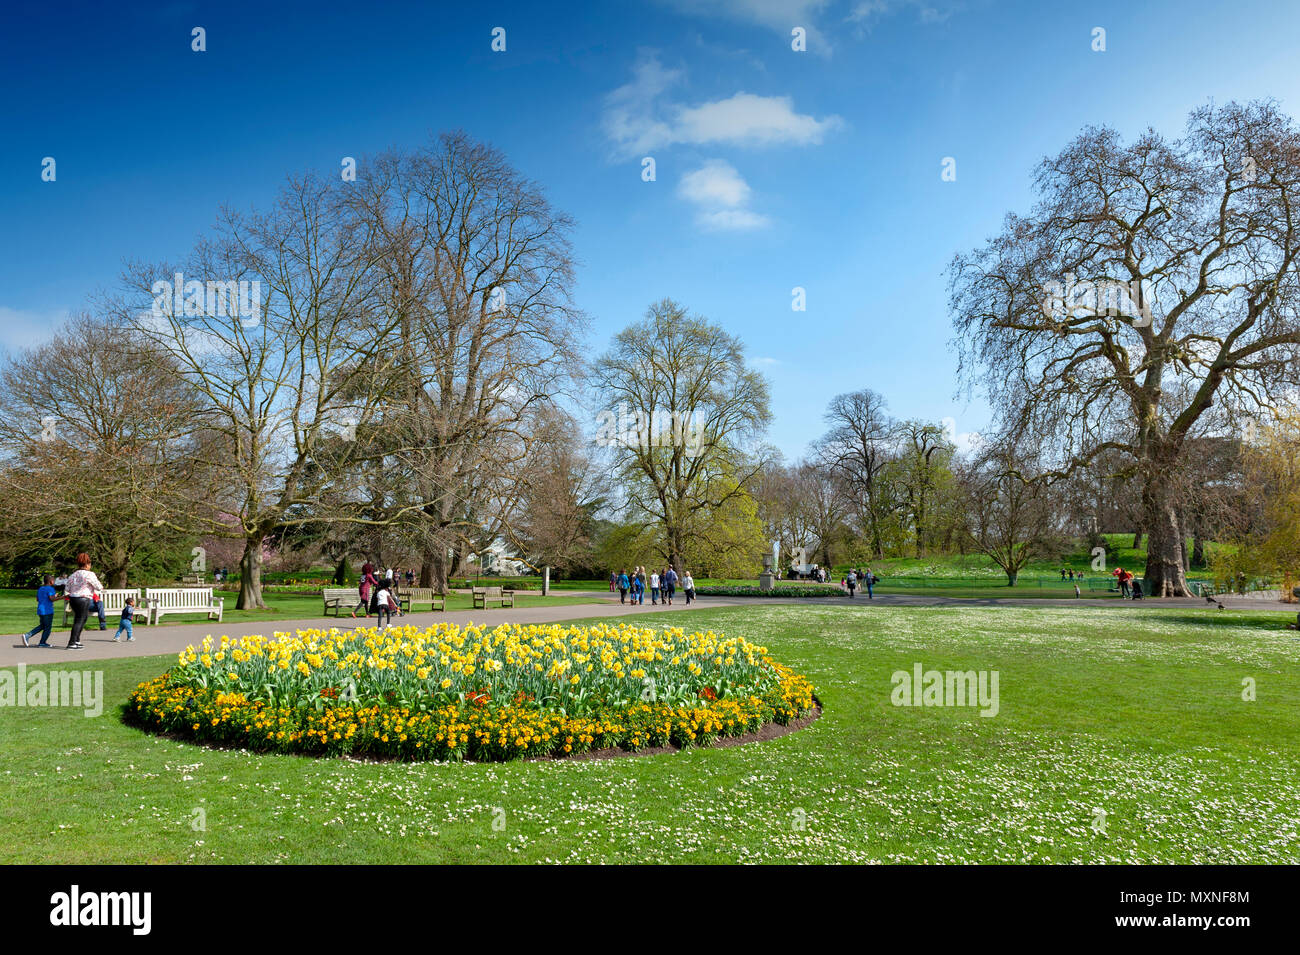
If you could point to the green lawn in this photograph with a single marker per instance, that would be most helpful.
(1137, 714)
(18, 609)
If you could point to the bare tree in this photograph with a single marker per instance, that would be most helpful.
(560, 498)
(1152, 283)
(477, 281)
(99, 451)
(1010, 513)
(860, 443)
(681, 408)
(290, 379)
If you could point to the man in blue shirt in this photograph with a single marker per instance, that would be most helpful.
(623, 585)
(670, 584)
(44, 613)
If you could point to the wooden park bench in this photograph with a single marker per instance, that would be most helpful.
(114, 601)
(340, 599)
(482, 595)
(408, 597)
(161, 601)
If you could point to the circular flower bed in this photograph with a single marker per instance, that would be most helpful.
(472, 693)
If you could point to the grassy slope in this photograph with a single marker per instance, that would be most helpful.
(1136, 713)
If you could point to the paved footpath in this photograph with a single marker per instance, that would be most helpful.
(173, 638)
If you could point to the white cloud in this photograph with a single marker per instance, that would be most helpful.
(749, 120)
(764, 362)
(21, 329)
(722, 197)
(715, 183)
(637, 120)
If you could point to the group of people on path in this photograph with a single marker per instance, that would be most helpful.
(864, 578)
(662, 585)
(378, 595)
(83, 593)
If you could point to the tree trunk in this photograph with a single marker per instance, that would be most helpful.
(426, 567)
(437, 567)
(1198, 549)
(1137, 540)
(1165, 574)
(1012, 577)
(250, 576)
(341, 572)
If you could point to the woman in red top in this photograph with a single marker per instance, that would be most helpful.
(368, 584)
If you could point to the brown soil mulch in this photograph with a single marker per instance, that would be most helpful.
(764, 732)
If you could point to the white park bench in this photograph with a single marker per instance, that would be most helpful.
(164, 600)
(114, 601)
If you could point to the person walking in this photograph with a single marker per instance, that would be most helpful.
(44, 614)
(851, 581)
(613, 581)
(81, 587)
(128, 616)
(623, 586)
(654, 589)
(670, 584)
(386, 605)
(688, 585)
(638, 589)
(870, 580)
(365, 588)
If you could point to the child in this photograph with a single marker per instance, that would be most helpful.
(128, 615)
(386, 604)
(44, 613)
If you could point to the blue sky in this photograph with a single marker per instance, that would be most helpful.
(774, 168)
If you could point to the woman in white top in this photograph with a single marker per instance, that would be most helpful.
(688, 585)
(80, 592)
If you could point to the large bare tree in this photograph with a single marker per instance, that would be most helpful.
(289, 375)
(681, 412)
(477, 275)
(1149, 296)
